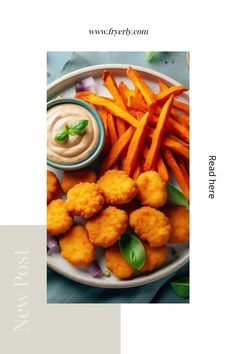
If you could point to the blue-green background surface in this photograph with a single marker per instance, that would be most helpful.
(60, 289)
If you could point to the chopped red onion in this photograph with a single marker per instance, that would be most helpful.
(95, 270)
(87, 84)
(52, 245)
(79, 87)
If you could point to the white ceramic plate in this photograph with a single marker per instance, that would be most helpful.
(64, 87)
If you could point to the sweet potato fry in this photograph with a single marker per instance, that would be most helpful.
(158, 135)
(179, 129)
(116, 150)
(114, 109)
(170, 160)
(181, 118)
(162, 169)
(84, 94)
(174, 90)
(178, 139)
(176, 146)
(138, 82)
(138, 170)
(125, 91)
(103, 114)
(162, 86)
(181, 106)
(112, 87)
(183, 168)
(134, 103)
(112, 129)
(136, 145)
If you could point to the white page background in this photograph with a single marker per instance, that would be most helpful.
(28, 30)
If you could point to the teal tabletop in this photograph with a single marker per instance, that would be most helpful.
(60, 289)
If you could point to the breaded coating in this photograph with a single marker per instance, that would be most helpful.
(76, 247)
(84, 200)
(59, 219)
(117, 187)
(151, 189)
(117, 264)
(155, 256)
(179, 220)
(150, 225)
(71, 178)
(53, 186)
(106, 228)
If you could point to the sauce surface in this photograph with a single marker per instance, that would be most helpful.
(78, 147)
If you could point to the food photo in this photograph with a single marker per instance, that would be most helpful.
(118, 169)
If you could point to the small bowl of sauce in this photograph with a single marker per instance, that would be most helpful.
(75, 134)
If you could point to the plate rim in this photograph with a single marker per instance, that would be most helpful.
(146, 278)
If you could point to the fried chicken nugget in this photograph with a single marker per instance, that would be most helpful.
(105, 228)
(76, 247)
(58, 218)
(155, 256)
(71, 178)
(150, 225)
(117, 264)
(53, 186)
(84, 200)
(151, 189)
(179, 220)
(117, 187)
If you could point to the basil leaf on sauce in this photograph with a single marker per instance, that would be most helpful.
(62, 136)
(181, 286)
(132, 250)
(175, 196)
(78, 127)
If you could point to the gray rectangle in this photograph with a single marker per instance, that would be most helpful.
(29, 324)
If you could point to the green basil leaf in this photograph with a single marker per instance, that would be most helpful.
(181, 286)
(61, 136)
(67, 128)
(132, 250)
(78, 127)
(175, 196)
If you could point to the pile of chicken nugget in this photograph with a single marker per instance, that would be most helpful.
(108, 207)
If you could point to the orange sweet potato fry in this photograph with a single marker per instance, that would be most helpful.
(83, 95)
(178, 139)
(158, 135)
(125, 91)
(181, 106)
(176, 147)
(170, 160)
(134, 103)
(183, 168)
(111, 85)
(103, 114)
(162, 169)
(179, 129)
(162, 86)
(136, 145)
(140, 84)
(112, 129)
(117, 149)
(177, 104)
(181, 118)
(165, 94)
(138, 170)
(114, 109)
